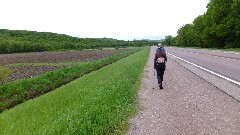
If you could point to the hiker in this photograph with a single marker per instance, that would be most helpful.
(159, 64)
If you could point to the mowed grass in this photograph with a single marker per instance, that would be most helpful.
(100, 102)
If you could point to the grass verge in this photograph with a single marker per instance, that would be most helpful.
(17, 92)
(97, 103)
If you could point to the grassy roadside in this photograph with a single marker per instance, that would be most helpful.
(97, 103)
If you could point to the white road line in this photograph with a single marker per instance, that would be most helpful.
(221, 76)
(213, 55)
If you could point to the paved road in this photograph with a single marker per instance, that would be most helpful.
(224, 63)
(189, 104)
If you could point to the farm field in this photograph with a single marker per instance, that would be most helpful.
(100, 102)
(19, 91)
(28, 65)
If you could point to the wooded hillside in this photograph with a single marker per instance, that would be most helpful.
(15, 41)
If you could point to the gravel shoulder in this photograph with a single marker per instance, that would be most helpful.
(188, 105)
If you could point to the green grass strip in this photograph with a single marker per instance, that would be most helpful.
(100, 102)
(17, 92)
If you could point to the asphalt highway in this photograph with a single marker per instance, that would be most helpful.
(226, 63)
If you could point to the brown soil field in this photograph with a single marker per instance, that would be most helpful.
(53, 57)
(30, 71)
(23, 72)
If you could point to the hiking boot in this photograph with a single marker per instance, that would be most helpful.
(160, 86)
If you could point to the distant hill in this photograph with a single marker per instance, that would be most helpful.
(15, 41)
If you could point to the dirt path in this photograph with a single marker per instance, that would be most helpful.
(187, 105)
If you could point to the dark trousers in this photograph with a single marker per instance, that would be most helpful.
(160, 72)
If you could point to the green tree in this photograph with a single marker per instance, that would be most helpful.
(219, 27)
(185, 36)
(198, 27)
(168, 40)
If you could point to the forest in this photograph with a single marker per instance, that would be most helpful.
(18, 41)
(218, 27)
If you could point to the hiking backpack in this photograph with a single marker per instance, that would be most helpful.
(160, 62)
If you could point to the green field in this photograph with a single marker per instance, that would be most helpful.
(100, 102)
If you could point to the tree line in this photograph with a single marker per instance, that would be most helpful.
(16, 41)
(218, 27)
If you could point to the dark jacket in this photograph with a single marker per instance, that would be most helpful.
(158, 55)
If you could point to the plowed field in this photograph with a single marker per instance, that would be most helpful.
(21, 72)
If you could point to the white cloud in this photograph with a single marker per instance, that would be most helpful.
(120, 19)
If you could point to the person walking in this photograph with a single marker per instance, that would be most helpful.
(159, 64)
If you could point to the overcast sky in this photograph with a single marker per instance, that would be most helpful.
(120, 19)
